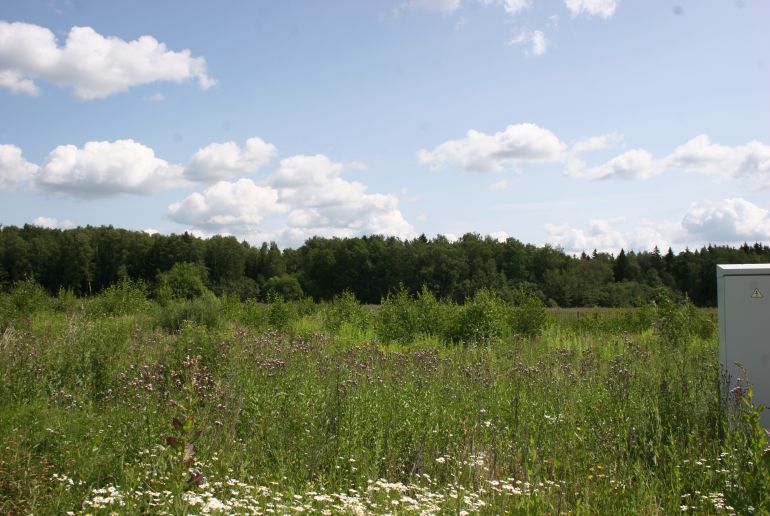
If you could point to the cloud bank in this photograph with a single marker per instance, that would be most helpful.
(730, 221)
(526, 143)
(306, 196)
(94, 66)
(749, 162)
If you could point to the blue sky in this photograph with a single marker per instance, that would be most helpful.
(580, 123)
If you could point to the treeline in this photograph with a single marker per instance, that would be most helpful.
(89, 259)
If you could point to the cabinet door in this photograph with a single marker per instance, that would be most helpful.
(747, 333)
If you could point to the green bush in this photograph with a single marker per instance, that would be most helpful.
(204, 310)
(397, 318)
(482, 319)
(286, 286)
(183, 281)
(65, 301)
(434, 317)
(344, 309)
(280, 314)
(124, 297)
(253, 314)
(674, 319)
(28, 296)
(529, 317)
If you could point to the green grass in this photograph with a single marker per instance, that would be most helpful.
(109, 410)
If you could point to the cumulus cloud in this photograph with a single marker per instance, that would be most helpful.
(305, 196)
(600, 235)
(105, 169)
(14, 169)
(93, 65)
(750, 162)
(605, 236)
(324, 203)
(534, 40)
(52, 223)
(443, 6)
(481, 152)
(219, 161)
(11, 80)
(733, 220)
(602, 8)
(729, 221)
(239, 204)
(633, 164)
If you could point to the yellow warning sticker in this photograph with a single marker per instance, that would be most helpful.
(756, 294)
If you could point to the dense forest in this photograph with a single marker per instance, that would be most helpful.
(86, 260)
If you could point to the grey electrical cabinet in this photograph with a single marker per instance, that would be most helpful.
(744, 327)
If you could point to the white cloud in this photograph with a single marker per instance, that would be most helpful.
(219, 161)
(726, 221)
(443, 6)
(104, 169)
(605, 236)
(535, 40)
(240, 204)
(600, 235)
(500, 236)
(93, 65)
(310, 191)
(11, 80)
(14, 169)
(596, 143)
(324, 203)
(510, 6)
(729, 221)
(52, 223)
(480, 152)
(498, 186)
(151, 231)
(750, 162)
(633, 164)
(602, 8)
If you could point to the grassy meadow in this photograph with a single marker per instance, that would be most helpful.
(124, 404)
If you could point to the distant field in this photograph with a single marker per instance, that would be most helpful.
(121, 404)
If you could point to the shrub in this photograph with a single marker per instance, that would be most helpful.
(344, 309)
(397, 318)
(28, 296)
(124, 297)
(286, 286)
(280, 314)
(204, 310)
(673, 323)
(529, 317)
(482, 319)
(183, 281)
(65, 301)
(254, 314)
(434, 317)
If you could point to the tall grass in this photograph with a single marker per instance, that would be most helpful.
(278, 408)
